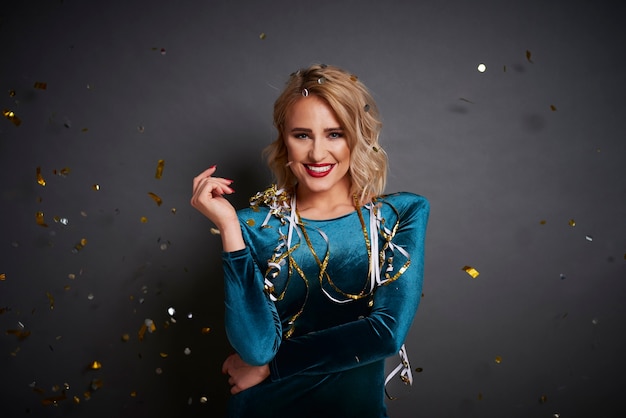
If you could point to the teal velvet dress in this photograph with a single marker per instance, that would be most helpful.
(323, 302)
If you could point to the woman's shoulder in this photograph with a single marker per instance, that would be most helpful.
(404, 200)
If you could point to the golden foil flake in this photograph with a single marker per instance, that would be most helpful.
(125, 337)
(11, 93)
(419, 369)
(204, 399)
(159, 169)
(67, 287)
(528, 56)
(80, 245)
(10, 115)
(50, 299)
(76, 399)
(542, 222)
(214, 231)
(53, 400)
(471, 271)
(156, 198)
(205, 330)
(40, 85)
(498, 359)
(96, 384)
(354, 78)
(133, 394)
(543, 399)
(20, 334)
(95, 365)
(3, 277)
(572, 222)
(87, 395)
(163, 355)
(173, 210)
(95, 187)
(553, 108)
(40, 179)
(143, 220)
(250, 222)
(262, 36)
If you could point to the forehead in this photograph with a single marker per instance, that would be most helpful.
(311, 110)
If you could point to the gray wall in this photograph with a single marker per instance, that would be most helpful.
(487, 149)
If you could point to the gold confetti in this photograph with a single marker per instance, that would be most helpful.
(553, 108)
(67, 287)
(12, 117)
(159, 169)
(542, 222)
(50, 299)
(156, 198)
(40, 85)
(354, 78)
(471, 271)
(528, 55)
(125, 337)
(250, 222)
(53, 400)
(84, 129)
(143, 219)
(87, 395)
(20, 334)
(3, 277)
(262, 36)
(215, 231)
(498, 359)
(62, 172)
(206, 330)
(76, 399)
(543, 399)
(173, 210)
(11, 93)
(96, 384)
(572, 222)
(80, 245)
(96, 187)
(163, 355)
(96, 365)
(133, 394)
(40, 219)
(40, 178)
(142, 331)
(419, 369)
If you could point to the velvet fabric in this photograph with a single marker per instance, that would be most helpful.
(330, 360)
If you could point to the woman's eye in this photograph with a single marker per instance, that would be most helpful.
(335, 135)
(301, 136)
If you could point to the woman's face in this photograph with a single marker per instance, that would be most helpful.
(317, 147)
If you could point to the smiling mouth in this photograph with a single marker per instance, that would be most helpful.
(318, 170)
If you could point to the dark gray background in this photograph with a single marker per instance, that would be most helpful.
(486, 148)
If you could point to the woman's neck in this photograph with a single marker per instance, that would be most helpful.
(320, 205)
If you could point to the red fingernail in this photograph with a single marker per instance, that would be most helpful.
(213, 166)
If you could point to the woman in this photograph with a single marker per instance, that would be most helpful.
(323, 273)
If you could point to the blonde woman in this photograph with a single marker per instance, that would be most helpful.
(323, 272)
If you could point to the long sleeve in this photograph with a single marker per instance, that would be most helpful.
(252, 323)
(382, 332)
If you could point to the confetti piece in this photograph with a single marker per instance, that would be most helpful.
(163, 355)
(572, 222)
(471, 271)
(133, 394)
(542, 222)
(463, 99)
(96, 384)
(419, 369)
(10, 115)
(528, 55)
(76, 399)
(187, 351)
(40, 178)
(40, 220)
(190, 315)
(595, 321)
(150, 325)
(543, 399)
(171, 311)
(173, 210)
(3, 277)
(204, 399)
(205, 330)
(84, 129)
(79, 245)
(20, 334)
(11, 93)
(159, 169)
(262, 36)
(54, 400)
(250, 222)
(504, 68)
(50, 299)
(162, 51)
(589, 238)
(95, 365)
(156, 198)
(553, 108)
(498, 359)
(62, 172)
(562, 276)
(140, 129)
(354, 78)
(159, 370)
(481, 67)
(90, 296)
(375, 149)
(143, 220)
(40, 85)
(95, 187)
(215, 231)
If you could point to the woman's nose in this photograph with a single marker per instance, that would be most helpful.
(317, 152)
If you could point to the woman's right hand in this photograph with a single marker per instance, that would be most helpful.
(208, 198)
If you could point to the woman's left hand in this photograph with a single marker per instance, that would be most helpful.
(242, 375)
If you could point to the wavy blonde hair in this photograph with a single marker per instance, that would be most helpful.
(358, 115)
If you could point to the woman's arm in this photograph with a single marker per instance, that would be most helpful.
(375, 337)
